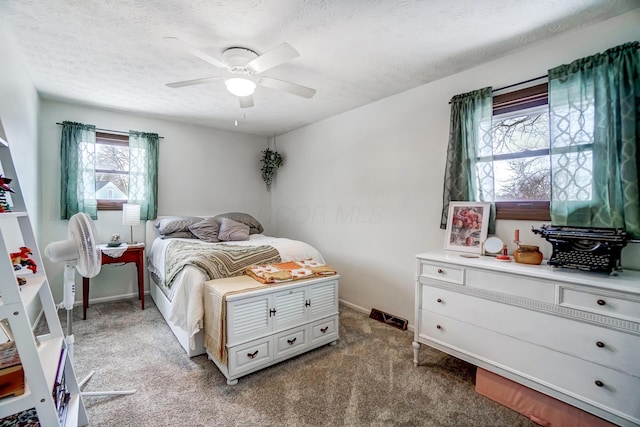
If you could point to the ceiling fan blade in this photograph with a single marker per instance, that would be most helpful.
(272, 58)
(296, 89)
(196, 52)
(246, 101)
(193, 82)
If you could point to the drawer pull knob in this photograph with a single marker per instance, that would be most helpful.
(599, 383)
(440, 271)
(439, 300)
(252, 355)
(601, 302)
(290, 342)
(600, 344)
(324, 330)
(438, 327)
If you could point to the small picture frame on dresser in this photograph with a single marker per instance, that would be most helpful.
(467, 226)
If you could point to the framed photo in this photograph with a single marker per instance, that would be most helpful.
(467, 226)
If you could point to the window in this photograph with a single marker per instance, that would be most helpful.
(592, 131)
(112, 170)
(100, 170)
(521, 155)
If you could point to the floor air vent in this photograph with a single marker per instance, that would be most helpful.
(389, 319)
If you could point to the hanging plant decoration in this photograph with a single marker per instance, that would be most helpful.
(271, 161)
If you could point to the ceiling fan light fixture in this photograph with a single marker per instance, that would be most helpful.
(240, 86)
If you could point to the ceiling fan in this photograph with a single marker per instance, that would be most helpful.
(245, 66)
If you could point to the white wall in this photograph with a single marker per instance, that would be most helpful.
(19, 127)
(202, 171)
(365, 187)
(19, 118)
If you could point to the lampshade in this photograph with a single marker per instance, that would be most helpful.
(130, 214)
(240, 86)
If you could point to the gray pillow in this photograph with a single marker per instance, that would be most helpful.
(231, 230)
(206, 230)
(254, 225)
(171, 224)
(178, 234)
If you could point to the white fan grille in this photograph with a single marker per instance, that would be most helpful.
(83, 232)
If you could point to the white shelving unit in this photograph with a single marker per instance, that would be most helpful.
(39, 362)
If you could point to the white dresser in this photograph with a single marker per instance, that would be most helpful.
(569, 334)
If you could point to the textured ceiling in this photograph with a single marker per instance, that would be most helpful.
(110, 53)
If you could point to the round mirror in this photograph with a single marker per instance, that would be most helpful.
(493, 245)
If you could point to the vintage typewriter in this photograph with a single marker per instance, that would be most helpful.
(585, 248)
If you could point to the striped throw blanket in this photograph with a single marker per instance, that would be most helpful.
(216, 260)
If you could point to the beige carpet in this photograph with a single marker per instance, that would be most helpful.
(367, 379)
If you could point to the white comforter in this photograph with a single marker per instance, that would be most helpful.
(186, 292)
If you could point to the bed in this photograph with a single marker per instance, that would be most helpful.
(182, 303)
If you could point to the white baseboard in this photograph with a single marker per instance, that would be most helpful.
(354, 306)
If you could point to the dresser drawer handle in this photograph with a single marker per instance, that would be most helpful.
(440, 271)
(439, 300)
(324, 330)
(438, 327)
(290, 342)
(252, 355)
(601, 302)
(599, 383)
(600, 344)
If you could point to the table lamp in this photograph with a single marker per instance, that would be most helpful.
(130, 216)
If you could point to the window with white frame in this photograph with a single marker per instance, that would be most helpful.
(112, 170)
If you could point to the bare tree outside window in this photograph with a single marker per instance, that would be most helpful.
(112, 170)
(521, 155)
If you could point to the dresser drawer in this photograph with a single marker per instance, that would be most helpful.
(249, 356)
(290, 341)
(614, 349)
(520, 286)
(324, 331)
(445, 272)
(600, 302)
(602, 387)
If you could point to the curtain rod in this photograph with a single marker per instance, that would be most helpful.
(113, 131)
(517, 84)
(520, 83)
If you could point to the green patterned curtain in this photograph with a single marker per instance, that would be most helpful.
(594, 106)
(466, 177)
(143, 172)
(77, 170)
